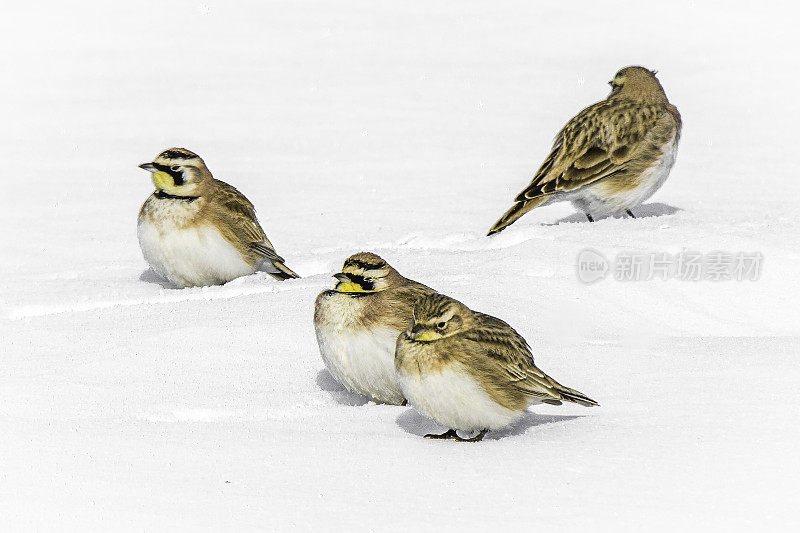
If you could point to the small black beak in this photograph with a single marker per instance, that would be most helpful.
(342, 277)
(148, 167)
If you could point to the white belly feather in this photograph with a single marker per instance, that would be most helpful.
(452, 398)
(362, 360)
(191, 255)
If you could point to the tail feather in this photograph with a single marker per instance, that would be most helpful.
(571, 395)
(270, 258)
(516, 211)
(283, 272)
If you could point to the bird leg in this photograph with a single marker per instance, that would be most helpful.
(629, 213)
(589, 217)
(449, 434)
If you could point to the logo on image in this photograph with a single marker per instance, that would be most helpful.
(592, 266)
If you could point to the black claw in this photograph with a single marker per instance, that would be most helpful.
(589, 217)
(449, 434)
(629, 213)
(405, 402)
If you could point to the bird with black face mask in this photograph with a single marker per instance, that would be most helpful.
(195, 230)
(358, 321)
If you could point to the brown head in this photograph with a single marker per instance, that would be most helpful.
(637, 83)
(437, 316)
(178, 171)
(366, 272)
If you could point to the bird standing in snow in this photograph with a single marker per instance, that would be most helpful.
(357, 324)
(470, 371)
(195, 230)
(610, 157)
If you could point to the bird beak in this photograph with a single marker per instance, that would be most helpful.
(148, 167)
(344, 278)
(346, 284)
(419, 334)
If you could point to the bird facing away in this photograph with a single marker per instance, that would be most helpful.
(357, 324)
(195, 230)
(610, 157)
(470, 371)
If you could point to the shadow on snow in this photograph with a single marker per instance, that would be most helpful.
(655, 209)
(337, 391)
(150, 276)
(413, 422)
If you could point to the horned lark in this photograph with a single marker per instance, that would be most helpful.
(357, 325)
(610, 157)
(470, 371)
(195, 230)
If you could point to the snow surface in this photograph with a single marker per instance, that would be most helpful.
(404, 128)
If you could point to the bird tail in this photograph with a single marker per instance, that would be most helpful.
(571, 395)
(268, 257)
(517, 210)
(283, 272)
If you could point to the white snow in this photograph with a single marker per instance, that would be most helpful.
(404, 128)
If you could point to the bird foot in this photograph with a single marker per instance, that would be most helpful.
(630, 214)
(589, 217)
(451, 434)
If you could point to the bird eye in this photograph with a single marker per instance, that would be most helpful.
(174, 168)
(441, 325)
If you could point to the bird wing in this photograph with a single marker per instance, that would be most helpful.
(597, 143)
(239, 217)
(510, 357)
(513, 361)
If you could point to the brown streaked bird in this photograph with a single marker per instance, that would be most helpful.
(470, 371)
(195, 230)
(357, 324)
(610, 157)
